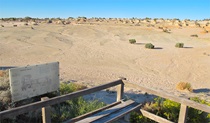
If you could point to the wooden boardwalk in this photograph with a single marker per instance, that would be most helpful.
(110, 112)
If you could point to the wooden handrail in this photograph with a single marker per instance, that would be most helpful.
(184, 101)
(154, 117)
(38, 105)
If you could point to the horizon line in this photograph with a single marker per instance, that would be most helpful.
(208, 18)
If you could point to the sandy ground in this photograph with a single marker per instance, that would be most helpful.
(96, 54)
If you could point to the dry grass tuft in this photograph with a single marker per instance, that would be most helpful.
(194, 35)
(184, 86)
(132, 41)
(179, 45)
(166, 30)
(1, 73)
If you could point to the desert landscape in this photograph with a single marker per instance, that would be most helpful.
(93, 51)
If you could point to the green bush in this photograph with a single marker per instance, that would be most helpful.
(149, 46)
(198, 116)
(179, 45)
(170, 110)
(132, 41)
(136, 118)
(75, 107)
(70, 87)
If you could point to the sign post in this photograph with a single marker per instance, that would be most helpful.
(30, 81)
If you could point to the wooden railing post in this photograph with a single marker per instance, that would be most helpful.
(120, 91)
(45, 112)
(183, 114)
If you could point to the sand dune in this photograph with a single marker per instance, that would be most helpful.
(94, 54)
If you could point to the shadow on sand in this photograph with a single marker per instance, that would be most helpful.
(109, 97)
(140, 43)
(202, 90)
(158, 48)
(145, 43)
(187, 47)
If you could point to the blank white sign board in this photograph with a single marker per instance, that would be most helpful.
(30, 81)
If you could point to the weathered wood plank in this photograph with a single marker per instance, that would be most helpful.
(119, 114)
(55, 100)
(91, 113)
(184, 101)
(154, 117)
(106, 112)
(46, 112)
(120, 91)
(183, 113)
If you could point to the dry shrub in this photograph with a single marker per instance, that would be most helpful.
(5, 95)
(194, 35)
(160, 27)
(1, 73)
(184, 86)
(179, 45)
(149, 46)
(132, 41)
(166, 30)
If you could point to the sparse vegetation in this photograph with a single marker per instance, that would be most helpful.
(69, 109)
(166, 30)
(170, 110)
(184, 86)
(179, 45)
(132, 41)
(194, 35)
(149, 46)
(27, 18)
(197, 24)
(74, 107)
(49, 21)
(160, 27)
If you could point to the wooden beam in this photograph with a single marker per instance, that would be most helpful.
(120, 91)
(183, 113)
(106, 112)
(91, 113)
(115, 116)
(184, 101)
(37, 105)
(46, 112)
(154, 117)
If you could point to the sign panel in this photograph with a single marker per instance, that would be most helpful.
(30, 81)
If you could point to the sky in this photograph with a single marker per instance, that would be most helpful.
(181, 9)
